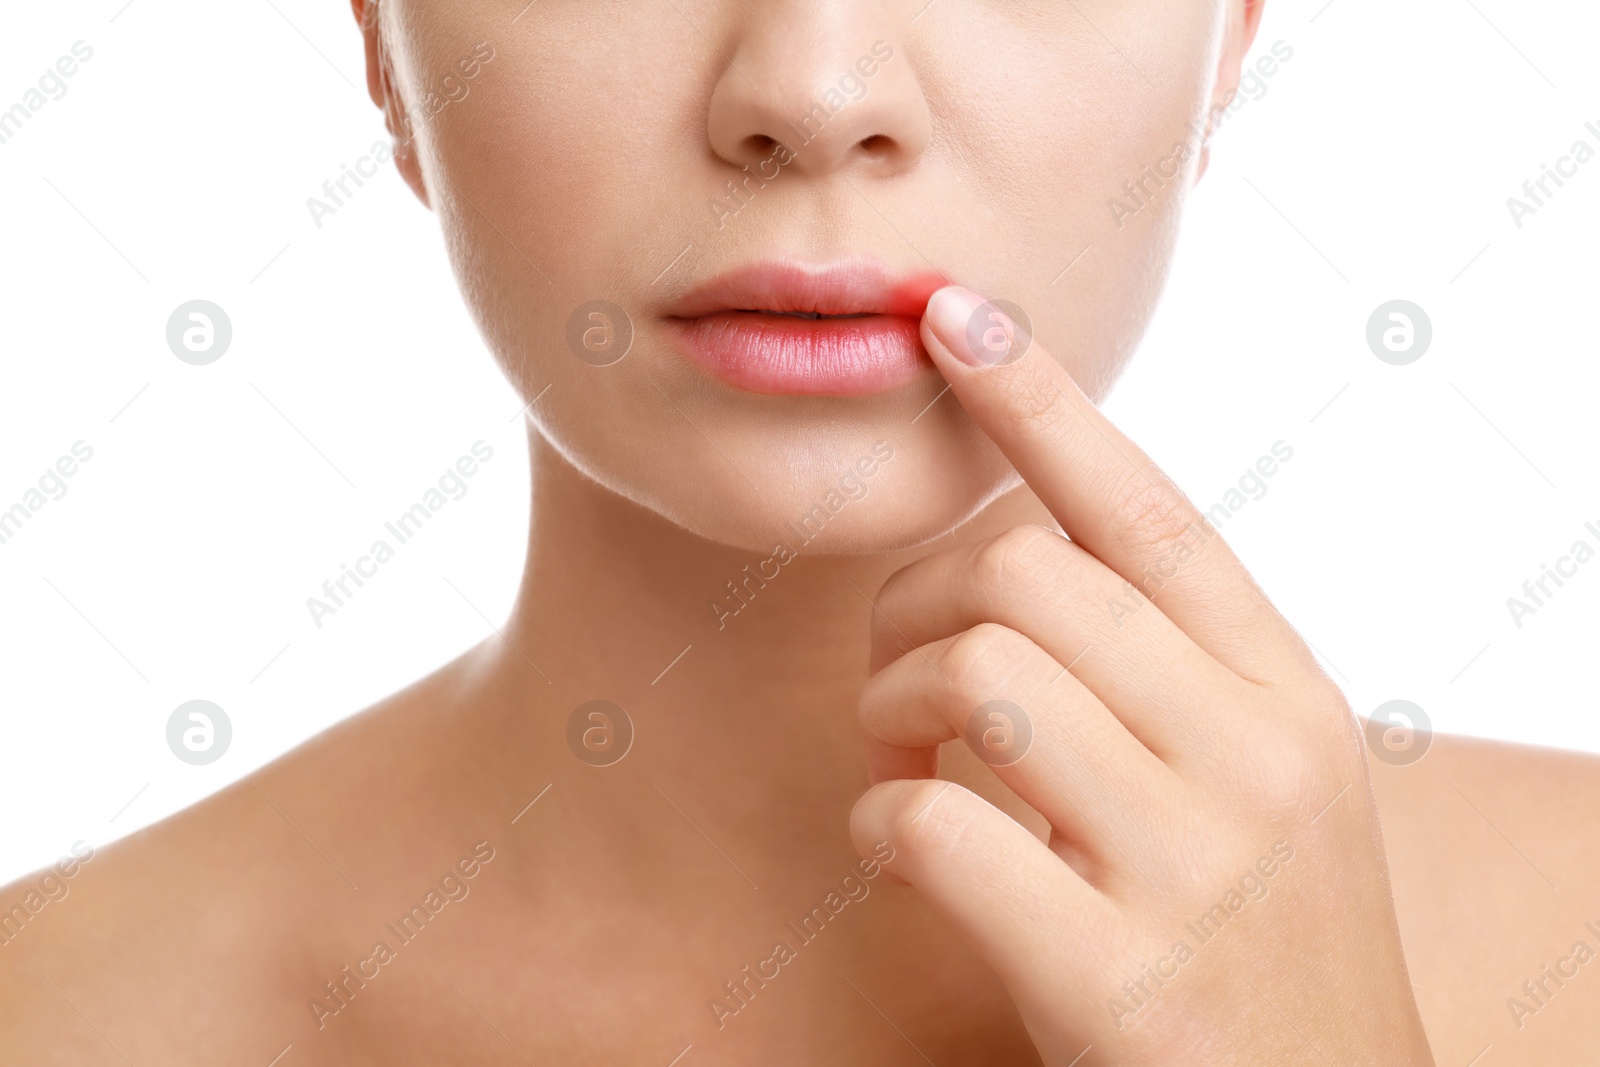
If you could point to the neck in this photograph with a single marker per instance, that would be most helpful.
(749, 694)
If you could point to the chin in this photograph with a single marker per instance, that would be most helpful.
(827, 486)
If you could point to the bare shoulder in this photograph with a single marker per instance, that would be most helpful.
(1494, 852)
(145, 950)
(141, 925)
(1472, 807)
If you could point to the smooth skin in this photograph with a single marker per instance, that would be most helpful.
(1192, 752)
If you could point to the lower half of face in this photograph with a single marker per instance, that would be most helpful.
(646, 203)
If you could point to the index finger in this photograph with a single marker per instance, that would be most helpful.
(1105, 492)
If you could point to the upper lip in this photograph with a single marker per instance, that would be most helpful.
(852, 286)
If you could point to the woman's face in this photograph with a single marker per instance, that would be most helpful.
(670, 175)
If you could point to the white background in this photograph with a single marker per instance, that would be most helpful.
(1376, 166)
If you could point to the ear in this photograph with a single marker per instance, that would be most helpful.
(1244, 18)
(381, 87)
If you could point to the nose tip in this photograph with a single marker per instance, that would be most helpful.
(820, 110)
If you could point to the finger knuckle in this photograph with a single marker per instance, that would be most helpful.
(1327, 708)
(978, 662)
(1279, 769)
(1154, 518)
(1023, 556)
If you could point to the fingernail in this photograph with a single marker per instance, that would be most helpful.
(950, 312)
(981, 333)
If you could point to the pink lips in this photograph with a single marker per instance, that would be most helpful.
(757, 329)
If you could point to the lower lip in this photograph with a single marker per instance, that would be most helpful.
(783, 354)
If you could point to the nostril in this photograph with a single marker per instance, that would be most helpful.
(878, 144)
(761, 145)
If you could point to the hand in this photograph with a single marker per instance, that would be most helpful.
(1214, 889)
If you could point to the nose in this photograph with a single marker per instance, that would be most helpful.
(824, 80)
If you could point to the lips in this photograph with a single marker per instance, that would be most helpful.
(846, 328)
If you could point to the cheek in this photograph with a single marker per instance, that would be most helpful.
(543, 176)
(567, 139)
(1073, 169)
(563, 186)
(1068, 176)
